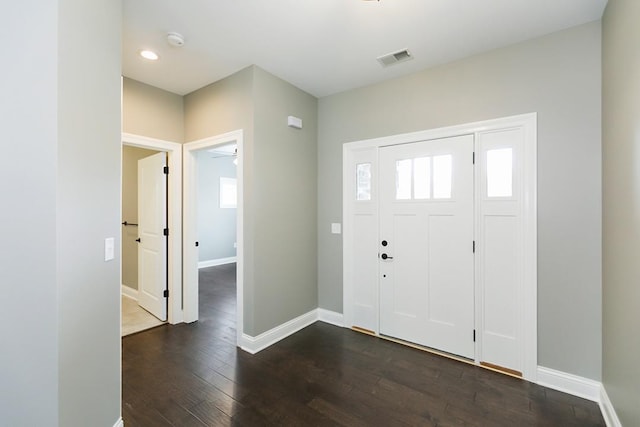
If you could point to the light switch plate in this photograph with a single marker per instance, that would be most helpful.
(109, 248)
(336, 228)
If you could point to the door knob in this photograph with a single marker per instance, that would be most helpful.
(138, 240)
(385, 256)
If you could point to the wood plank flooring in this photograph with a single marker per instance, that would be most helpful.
(193, 375)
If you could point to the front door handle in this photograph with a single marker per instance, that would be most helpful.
(385, 256)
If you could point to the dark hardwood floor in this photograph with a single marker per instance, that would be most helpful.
(193, 375)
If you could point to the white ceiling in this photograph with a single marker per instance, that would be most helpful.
(327, 46)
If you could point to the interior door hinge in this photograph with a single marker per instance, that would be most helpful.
(473, 157)
(166, 293)
(166, 170)
(165, 231)
(474, 246)
(474, 335)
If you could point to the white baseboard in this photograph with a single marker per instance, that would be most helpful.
(331, 317)
(569, 383)
(214, 262)
(119, 423)
(130, 292)
(272, 336)
(608, 412)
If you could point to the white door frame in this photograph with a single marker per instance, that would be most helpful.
(174, 216)
(190, 253)
(528, 122)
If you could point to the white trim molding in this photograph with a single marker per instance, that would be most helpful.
(129, 292)
(119, 423)
(608, 411)
(214, 262)
(255, 344)
(331, 317)
(569, 383)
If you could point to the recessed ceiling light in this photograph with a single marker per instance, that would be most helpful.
(149, 54)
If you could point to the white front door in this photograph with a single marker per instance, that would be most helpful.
(152, 247)
(426, 269)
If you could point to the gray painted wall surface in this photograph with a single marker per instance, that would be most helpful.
(279, 188)
(129, 234)
(88, 200)
(557, 76)
(621, 213)
(61, 112)
(29, 355)
(152, 112)
(216, 225)
(285, 202)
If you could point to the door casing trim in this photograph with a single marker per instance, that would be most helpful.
(528, 122)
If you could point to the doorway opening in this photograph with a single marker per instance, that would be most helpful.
(144, 255)
(216, 200)
(213, 231)
(151, 233)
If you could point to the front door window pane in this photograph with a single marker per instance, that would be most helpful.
(442, 176)
(422, 178)
(403, 179)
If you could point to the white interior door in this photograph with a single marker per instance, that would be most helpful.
(426, 243)
(152, 246)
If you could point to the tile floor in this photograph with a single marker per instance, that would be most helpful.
(135, 318)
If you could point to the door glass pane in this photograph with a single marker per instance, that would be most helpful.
(442, 177)
(363, 181)
(422, 178)
(403, 179)
(500, 172)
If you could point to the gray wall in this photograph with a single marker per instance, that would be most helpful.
(279, 188)
(28, 107)
(621, 207)
(557, 76)
(129, 234)
(152, 112)
(216, 225)
(60, 358)
(285, 202)
(88, 197)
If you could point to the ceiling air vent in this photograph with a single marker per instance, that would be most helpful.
(395, 57)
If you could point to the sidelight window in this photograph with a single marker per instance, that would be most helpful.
(500, 172)
(363, 181)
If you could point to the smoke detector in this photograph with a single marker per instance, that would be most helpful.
(394, 57)
(175, 39)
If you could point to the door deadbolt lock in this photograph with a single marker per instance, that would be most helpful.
(384, 243)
